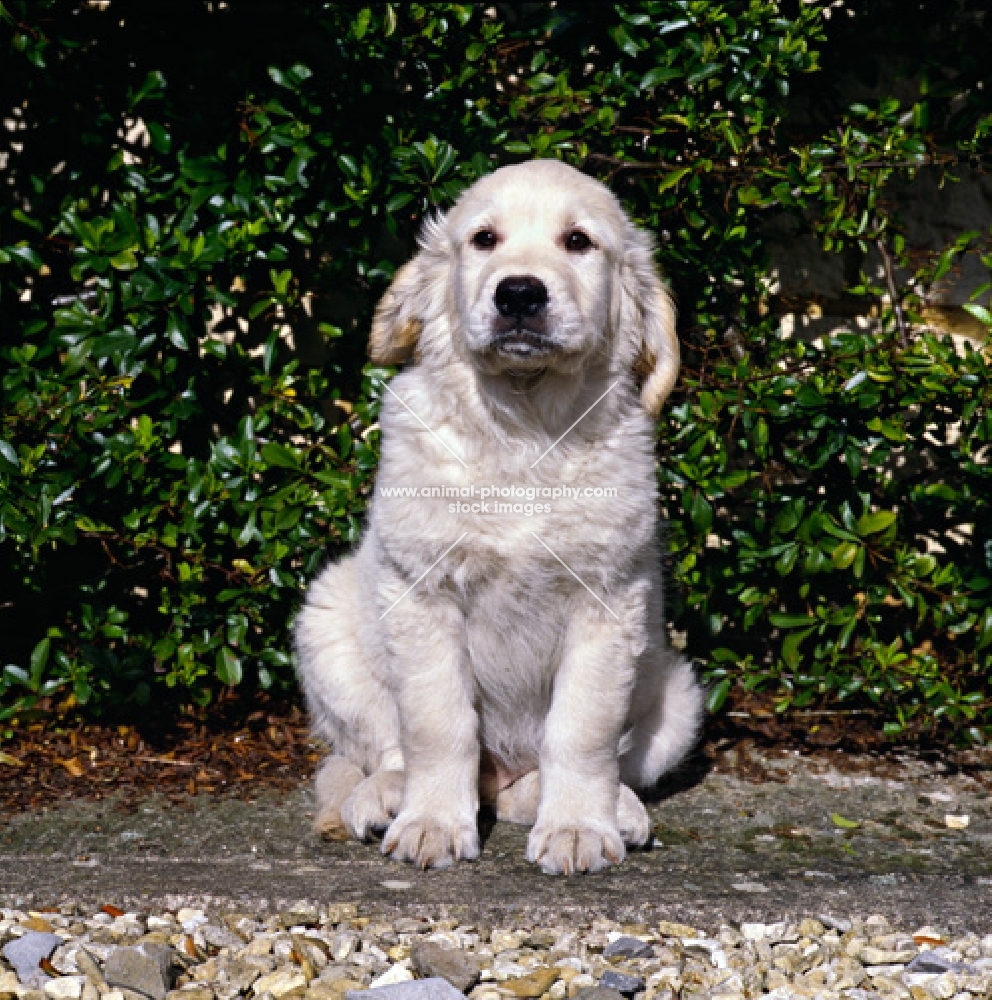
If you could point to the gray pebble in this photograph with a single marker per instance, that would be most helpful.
(628, 947)
(598, 993)
(937, 961)
(622, 983)
(416, 989)
(431, 960)
(144, 969)
(24, 954)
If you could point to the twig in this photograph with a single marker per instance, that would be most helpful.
(890, 283)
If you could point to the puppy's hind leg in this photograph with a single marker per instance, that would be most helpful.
(374, 803)
(518, 802)
(335, 780)
(359, 786)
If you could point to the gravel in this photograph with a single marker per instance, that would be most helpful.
(338, 952)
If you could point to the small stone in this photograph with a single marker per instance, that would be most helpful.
(26, 952)
(534, 984)
(37, 924)
(667, 929)
(287, 981)
(338, 987)
(811, 928)
(191, 919)
(65, 988)
(880, 972)
(598, 993)
(334, 973)
(332, 991)
(506, 940)
(712, 949)
(628, 947)
(542, 937)
(929, 935)
(416, 989)
(221, 937)
(191, 993)
(343, 944)
(956, 822)
(145, 969)
(394, 974)
(485, 991)
(9, 986)
(578, 983)
(879, 956)
(302, 914)
(323, 991)
(621, 982)
(337, 913)
(432, 961)
(259, 947)
(155, 937)
(942, 988)
(840, 924)
(240, 975)
(936, 961)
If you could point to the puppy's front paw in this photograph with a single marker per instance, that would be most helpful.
(633, 819)
(565, 848)
(431, 841)
(373, 804)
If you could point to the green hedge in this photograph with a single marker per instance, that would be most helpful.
(201, 210)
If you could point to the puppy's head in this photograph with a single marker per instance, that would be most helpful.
(536, 267)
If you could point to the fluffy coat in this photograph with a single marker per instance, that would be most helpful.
(518, 656)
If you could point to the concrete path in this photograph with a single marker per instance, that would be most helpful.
(813, 839)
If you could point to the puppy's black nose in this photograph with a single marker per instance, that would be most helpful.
(517, 297)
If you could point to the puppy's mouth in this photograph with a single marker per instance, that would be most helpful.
(522, 344)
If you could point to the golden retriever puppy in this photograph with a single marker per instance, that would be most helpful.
(501, 633)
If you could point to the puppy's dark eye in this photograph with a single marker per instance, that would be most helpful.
(484, 239)
(576, 241)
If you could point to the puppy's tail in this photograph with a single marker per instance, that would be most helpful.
(666, 733)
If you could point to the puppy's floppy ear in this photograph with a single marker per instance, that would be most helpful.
(647, 312)
(416, 289)
(397, 324)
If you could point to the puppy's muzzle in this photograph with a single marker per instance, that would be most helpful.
(520, 328)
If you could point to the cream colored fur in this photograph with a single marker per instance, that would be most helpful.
(499, 661)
